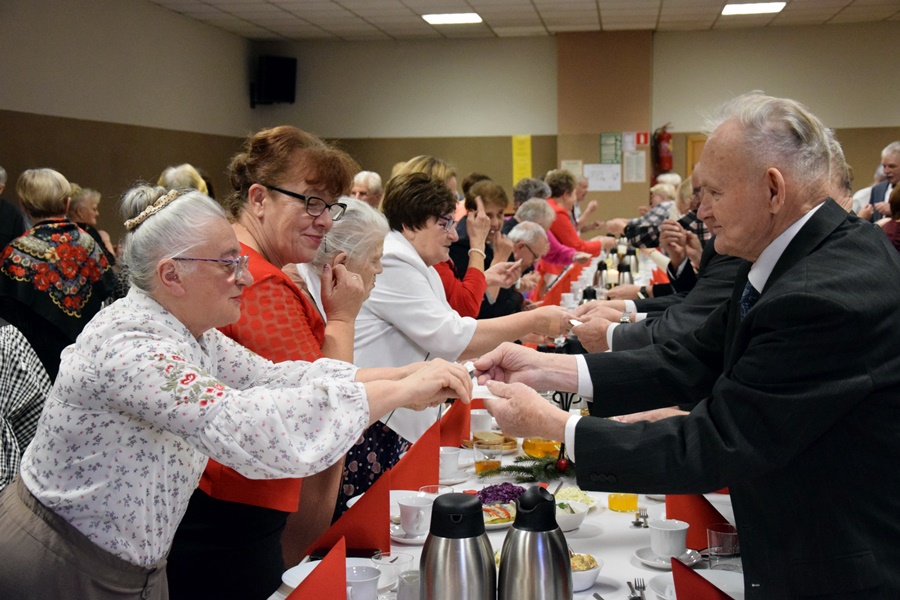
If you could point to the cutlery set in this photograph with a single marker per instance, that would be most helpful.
(637, 590)
(640, 519)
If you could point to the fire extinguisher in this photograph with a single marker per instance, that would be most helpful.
(662, 146)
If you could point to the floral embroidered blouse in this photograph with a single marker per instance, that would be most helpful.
(140, 403)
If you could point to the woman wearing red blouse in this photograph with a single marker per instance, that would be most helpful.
(285, 185)
(562, 200)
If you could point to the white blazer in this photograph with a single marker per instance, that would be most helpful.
(406, 319)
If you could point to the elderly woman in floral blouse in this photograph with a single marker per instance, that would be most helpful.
(150, 389)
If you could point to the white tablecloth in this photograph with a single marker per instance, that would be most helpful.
(605, 534)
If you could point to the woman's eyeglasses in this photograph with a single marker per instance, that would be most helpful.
(315, 206)
(447, 223)
(235, 265)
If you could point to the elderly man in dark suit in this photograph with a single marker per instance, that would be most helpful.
(798, 374)
(881, 192)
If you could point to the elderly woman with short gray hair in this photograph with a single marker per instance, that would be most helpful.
(151, 389)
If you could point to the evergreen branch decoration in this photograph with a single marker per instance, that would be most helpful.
(527, 469)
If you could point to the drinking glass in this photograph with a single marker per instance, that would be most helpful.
(623, 502)
(724, 549)
(391, 564)
(487, 456)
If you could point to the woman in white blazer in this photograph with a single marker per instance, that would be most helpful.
(407, 318)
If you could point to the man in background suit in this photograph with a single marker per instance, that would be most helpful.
(797, 374)
(670, 317)
(881, 192)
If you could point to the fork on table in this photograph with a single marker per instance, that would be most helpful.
(640, 586)
(643, 516)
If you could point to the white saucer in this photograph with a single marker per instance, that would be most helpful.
(293, 576)
(646, 556)
(730, 582)
(401, 537)
(492, 526)
(454, 478)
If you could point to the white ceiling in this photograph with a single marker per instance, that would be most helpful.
(349, 20)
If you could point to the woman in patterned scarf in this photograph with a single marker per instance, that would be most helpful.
(150, 390)
(54, 277)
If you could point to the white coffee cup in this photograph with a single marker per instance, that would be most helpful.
(668, 537)
(415, 514)
(449, 461)
(480, 420)
(362, 583)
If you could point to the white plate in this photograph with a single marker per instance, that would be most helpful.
(646, 556)
(657, 497)
(293, 576)
(493, 526)
(728, 581)
(401, 537)
(454, 478)
(396, 495)
(658, 511)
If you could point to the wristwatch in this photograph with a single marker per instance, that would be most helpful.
(625, 318)
(642, 293)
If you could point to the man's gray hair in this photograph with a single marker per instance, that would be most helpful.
(536, 210)
(528, 232)
(371, 180)
(781, 132)
(892, 149)
(528, 188)
(2, 176)
(841, 175)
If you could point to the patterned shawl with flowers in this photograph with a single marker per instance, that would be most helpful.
(56, 269)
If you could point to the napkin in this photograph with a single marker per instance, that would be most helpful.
(697, 511)
(366, 524)
(455, 425)
(689, 584)
(421, 463)
(328, 580)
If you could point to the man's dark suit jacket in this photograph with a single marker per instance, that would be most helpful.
(877, 195)
(713, 287)
(801, 417)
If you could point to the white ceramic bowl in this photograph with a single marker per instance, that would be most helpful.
(569, 522)
(583, 580)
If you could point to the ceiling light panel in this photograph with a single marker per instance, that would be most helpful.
(752, 8)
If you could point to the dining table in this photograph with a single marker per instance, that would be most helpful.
(609, 536)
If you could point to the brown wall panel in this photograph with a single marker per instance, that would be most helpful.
(604, 86)
(108, 157)
(604, 81)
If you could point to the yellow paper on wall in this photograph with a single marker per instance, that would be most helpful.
(521, 157)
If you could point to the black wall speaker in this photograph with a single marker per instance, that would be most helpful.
(276, 81)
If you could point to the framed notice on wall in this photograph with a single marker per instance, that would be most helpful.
(611, 148)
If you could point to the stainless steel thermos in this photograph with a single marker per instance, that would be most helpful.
(534, 562)
(457, 559)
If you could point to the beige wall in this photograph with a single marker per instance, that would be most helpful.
(122, 61)
(420, 89)
(837, 70)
